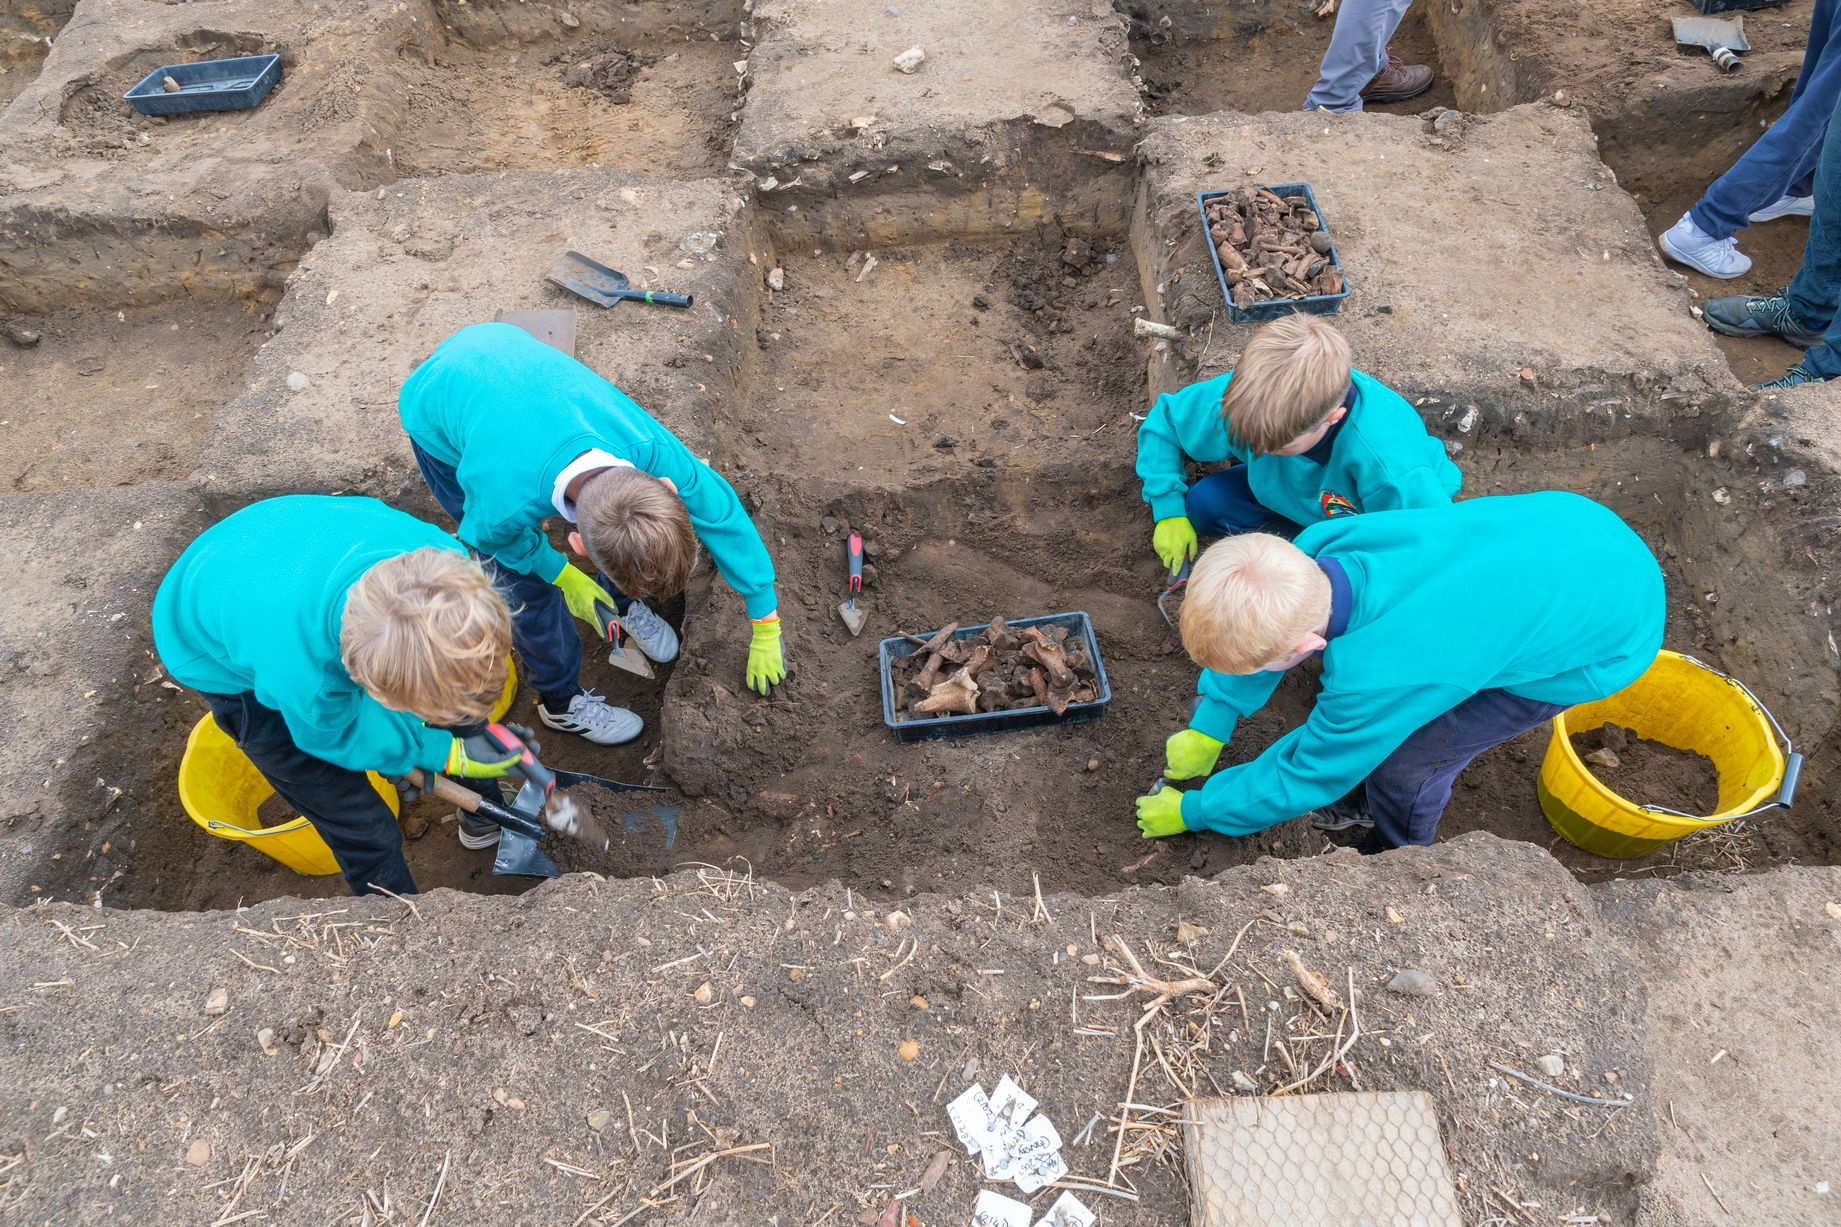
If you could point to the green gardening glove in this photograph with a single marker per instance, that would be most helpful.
(587, 599)
(766, 656)
(1161, 814)
(1189, 754)
(482, 756)
(1174, 541)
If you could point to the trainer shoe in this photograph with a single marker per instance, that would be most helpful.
(476, 833)
(1747, 315)
(1686, 243)
(1786, 206)
(1796, 376)
(1397, 82)
(593, 717)
(1342, 815)
(652, 633)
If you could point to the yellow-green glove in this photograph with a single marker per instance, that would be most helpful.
(1174, 541)
(1161, 814)
(1190, 753)
(587, 599)
(766, 656)
(482, 756)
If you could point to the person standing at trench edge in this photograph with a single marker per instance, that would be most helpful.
(1359, 67)
(508, 432)
(1443, 631)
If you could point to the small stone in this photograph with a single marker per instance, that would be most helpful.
(297, 382)
(897, 921)
(1298, 928)
(1553, 1065)
(908, 61)
(1721, 496)
(1243, 1082)
(1527, 375)
(1320, 243)
(265, 1038)
(795, 974)
(704, 994)
(1833, 910)
(25, 338)
(980, 303)
(217, 1001)
(1393, 915)
(570, 19)
(1795, 477)
(748, 1002)
(597, 1119)
(199, 1152)
(1187, 933)
(1093, 764)
(172, 87)
(918, 1002)
(1410, 983)
(1276, 889)
(1603, 758)
(776, 279)
(1092, 960)
(908, 1050)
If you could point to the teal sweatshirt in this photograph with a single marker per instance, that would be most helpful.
(1381, 459)
(256, 603)
(509, 413)
(1549, 596)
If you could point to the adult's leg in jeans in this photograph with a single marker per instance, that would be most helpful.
(339, 802)
(542, 628)
(1408, 792)
(1781, 158)
(1222, 504)
(1356, 54)
(1816, 290)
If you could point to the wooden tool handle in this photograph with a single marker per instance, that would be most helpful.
(441, 786)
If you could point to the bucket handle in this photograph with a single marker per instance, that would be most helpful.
(1792, 761)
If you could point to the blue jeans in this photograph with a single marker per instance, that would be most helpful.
(1781, 162)
(542, 628)
(1222, 504)
(1816, 290)
(339, 802)
(1356, 54)
(1408, 792)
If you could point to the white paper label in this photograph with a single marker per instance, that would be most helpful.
(973, 1120)
(1068, 1212)
(1011, 1104)
(996, 1210)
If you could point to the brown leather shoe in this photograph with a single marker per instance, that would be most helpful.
(1397, 82)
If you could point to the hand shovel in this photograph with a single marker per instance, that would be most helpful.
(622, 652)
(605, 286)
(1721, 36)
(848, 611)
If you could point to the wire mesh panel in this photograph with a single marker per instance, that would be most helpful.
(1371, 1159)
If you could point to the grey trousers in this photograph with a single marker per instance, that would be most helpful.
(1357, 52)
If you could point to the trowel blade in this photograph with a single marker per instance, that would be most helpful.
(520, 857)
(1711, 32)
(853, 617)
(630, 658)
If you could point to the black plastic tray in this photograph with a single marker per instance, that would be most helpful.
(207, 85)
(1735, 6)
(1271, 309)
(1080, 627)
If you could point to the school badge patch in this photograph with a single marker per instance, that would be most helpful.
(1335, 504)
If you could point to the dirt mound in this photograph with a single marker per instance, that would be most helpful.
(609, 71)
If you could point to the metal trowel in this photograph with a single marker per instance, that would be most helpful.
(1723, 37)
(848, 611)
(622, 652)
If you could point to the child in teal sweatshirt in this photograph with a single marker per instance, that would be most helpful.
(335, 636)
(1444, 631)
(509, 432)
(1314, 439)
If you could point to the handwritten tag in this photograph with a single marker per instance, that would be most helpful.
(996, 1210)
(1034, 1175)
(1011, 1105)
(973, 1120)
(1068, 1212)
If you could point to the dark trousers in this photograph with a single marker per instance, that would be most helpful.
(1782, 161)
(542, 628)
(339, 802)
(1408, 792)
(1222, 504)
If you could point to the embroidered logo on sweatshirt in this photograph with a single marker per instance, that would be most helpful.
(1335, 504)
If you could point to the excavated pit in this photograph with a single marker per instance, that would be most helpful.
(26, 33)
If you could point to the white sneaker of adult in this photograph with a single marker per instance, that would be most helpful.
(593, 717)
(1786, 206)
(652, 633)
(1686, 243)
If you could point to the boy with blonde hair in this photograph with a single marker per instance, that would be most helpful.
(335, 636)
(509, 432)
(1444, 631)
(1314, 440)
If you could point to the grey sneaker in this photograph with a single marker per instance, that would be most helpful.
(1343, 815)
(476, 833)
(652, 633)
(1749, 315)
(593, 717)
(1795, 377)
(1785, 206)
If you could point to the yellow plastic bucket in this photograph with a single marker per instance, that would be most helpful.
(223, 792)
(1682, 703)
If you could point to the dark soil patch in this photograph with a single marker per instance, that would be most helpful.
(1648, 772)
(608, 70)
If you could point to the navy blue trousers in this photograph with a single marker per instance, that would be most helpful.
(1408, 792)
(1782, 161)
(1222, 504)
(339, 802)
(1816, 291)
(542, 628)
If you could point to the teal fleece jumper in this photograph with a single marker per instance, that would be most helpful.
(256, 603)
(509, 413)
(1548, 596)
(1382, 459)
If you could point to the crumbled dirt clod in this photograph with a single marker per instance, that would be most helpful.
(608, 70)
(1649, 772)
(1271, 247)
